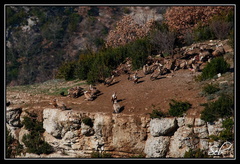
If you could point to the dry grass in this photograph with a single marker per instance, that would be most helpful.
(50, 87)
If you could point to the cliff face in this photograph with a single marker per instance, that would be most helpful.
(120, 135)
(116, 133)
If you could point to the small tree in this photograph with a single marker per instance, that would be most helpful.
(67, 71)
(223, 107)
(220, 28)
(33, 141)
(177, 108)
(162, 39)
(217, 65)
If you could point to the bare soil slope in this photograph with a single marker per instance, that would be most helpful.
(146, 95)
(140, 98)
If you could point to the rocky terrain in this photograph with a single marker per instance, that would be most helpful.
(47, 117)
(121, 135)
(130, 133)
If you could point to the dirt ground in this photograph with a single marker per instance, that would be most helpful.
(140, 98)
(146, 95)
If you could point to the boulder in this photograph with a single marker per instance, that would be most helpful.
(50, 122)
(57, 122)
(180, 142)
(215, 128)
(201, 132)
(86, 130)
(163, 126)
(156, 147)
(13, 116)
(199, 122)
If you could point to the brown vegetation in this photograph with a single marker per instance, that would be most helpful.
(183, 18)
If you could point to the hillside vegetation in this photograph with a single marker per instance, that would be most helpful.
(103, 82)
(88, 42)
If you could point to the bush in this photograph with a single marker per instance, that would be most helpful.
(33, 141)
(223, 107)
(201, 33)
(162, 39)
(222, 24)
(178, 108)
(13, 147)
(220, 28)
(95, 67)
(138, 51)
(33, 124)
(98, 70)
(74, 20)
(188, 37)
(217, 65)
(210, 89)
(226, 134)
(67, 71)
(35, 144)
(156, 114)
(195, 154)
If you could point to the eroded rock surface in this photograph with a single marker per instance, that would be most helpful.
(122, 135)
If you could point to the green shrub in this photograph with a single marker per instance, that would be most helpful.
(138, 51)
(223, 107)
(67, 71)
(210, 89)
(94, 67)
(214, 137)
(33, 141)
(177, 108)
(195, 154)
(226, 134)
(201, 33)
(228, 123)
(99, 42)
(74, 19)
(13, 147)
(156, 114)
(33, 124)
(35, 144)
(217, 65)
(98, 70)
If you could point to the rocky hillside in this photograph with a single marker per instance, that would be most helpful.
(120, 135)
(90, 129)
(40, 39)
(144, 94)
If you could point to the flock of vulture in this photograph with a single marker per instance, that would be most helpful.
(191, 58)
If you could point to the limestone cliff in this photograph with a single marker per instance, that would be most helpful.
(120, 135)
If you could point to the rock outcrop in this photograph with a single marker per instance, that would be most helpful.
(162, 127)
(13, 116)
(121, 135)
